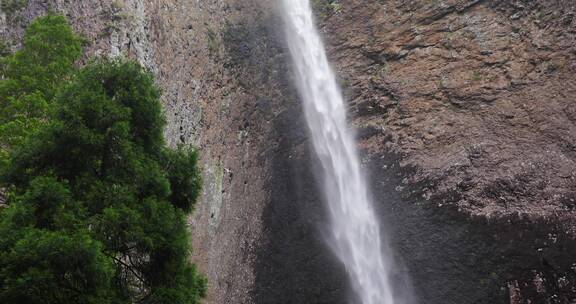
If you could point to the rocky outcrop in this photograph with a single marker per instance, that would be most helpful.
(478, 94)
(464, 112)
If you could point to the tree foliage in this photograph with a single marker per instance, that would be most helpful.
(30, 78)
(98, 203)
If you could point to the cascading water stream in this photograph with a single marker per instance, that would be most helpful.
(356, 237)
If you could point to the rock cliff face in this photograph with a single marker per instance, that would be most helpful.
(465, 113)
(478, 94)
(477, 99)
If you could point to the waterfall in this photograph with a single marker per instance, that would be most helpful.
(355, 231)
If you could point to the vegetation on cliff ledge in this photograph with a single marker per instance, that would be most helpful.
(97, 203)
(10, 7)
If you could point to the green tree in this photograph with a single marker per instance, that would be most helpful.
(30, 78)
(104, 198)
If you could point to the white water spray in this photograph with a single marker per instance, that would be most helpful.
(355, 230)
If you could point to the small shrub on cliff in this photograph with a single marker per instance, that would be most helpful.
(4, 50)
(325, 8)
(12, 6)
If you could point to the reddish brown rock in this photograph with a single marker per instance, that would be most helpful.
(478, 98)
(484, 95)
